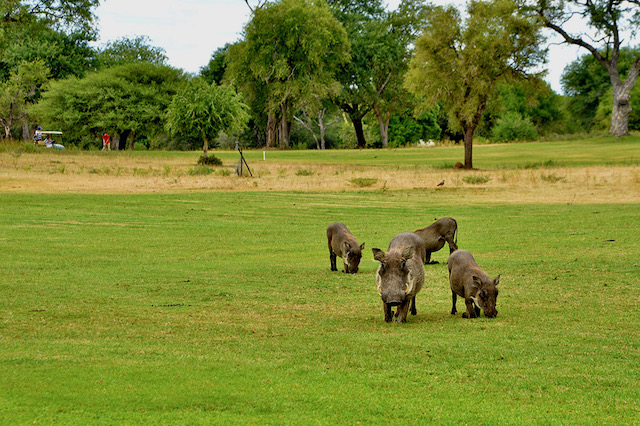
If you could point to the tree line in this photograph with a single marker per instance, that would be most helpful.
(324, 74)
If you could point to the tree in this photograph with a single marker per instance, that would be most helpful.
(586, 83)
(205, 110)
(289, 54)
(362, 19)
(458, 64)
(214, 71)
(130, 50)
(18, 91)
(57, 32)
(127, 100)
(316, 116)
(392, 49)
(71, 15)
(606, 20)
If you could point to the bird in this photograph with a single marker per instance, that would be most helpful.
(441, 183)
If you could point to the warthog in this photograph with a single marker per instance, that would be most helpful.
(342, 243)
(400, 275)
(436, 234)
(469, 281)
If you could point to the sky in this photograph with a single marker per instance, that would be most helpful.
(191, 30)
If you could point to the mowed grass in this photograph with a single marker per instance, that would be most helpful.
(208, 308)
(587, 152)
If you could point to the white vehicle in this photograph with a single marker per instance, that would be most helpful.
(48, 141)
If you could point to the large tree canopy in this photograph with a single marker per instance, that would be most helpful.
(459, 63)
(289, 55)
(128, 100)
(606, 22)
(130, 50)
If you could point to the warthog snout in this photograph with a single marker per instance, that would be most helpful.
(491, 314)
(395, 298)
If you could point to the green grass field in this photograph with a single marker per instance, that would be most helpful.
(589, 152)
(220, 308)
(586, 152)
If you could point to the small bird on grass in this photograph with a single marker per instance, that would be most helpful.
(441, 183)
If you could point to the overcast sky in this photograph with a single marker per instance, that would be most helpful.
(191, 30)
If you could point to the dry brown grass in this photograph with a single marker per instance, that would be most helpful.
(95, 173)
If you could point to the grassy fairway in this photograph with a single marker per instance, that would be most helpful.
(220, 308)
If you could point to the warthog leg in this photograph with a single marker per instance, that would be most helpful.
(471, 309)
(388, 315)
(332, 257)
(413, 306)
(454, 299)
(403, 310)
(452, 245)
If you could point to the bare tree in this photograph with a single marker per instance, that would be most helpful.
(258, 5)
(607, 20)
(308, 123)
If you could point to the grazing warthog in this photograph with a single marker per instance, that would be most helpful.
(342, 243)
(469, 281)
(436, 234)
(400, 275)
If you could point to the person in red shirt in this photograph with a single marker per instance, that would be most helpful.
(106, 141)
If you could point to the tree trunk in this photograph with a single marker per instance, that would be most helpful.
(205, 146)
(132, 141)
(357, 125)
(284, 127)
(122, 143)
(7, 132)
(620, 115)
(383, 122)
(621, 94)
(468, 147)
(271, 130)
(26, 134)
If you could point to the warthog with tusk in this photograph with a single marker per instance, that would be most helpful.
(400, 275)
(436, 234)
(469, 281)
(342, 243)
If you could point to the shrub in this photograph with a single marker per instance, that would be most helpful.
(476, 179)
(210, 160)
(201, 171)
(304, 172)
(513, 127)
(363, 182)
(552, 178)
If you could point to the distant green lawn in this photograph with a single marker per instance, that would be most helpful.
(596, 151)
(220, 308)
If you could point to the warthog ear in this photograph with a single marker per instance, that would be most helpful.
(496, 280)
(407, 253)
(361, 246)
(377, 254)
(476, 281)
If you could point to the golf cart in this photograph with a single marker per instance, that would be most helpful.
(47, 139)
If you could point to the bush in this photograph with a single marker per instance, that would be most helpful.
(210, 160)
(304, 172)
(513, 127)
(201, 171)
(363, 182)
(476, 179)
